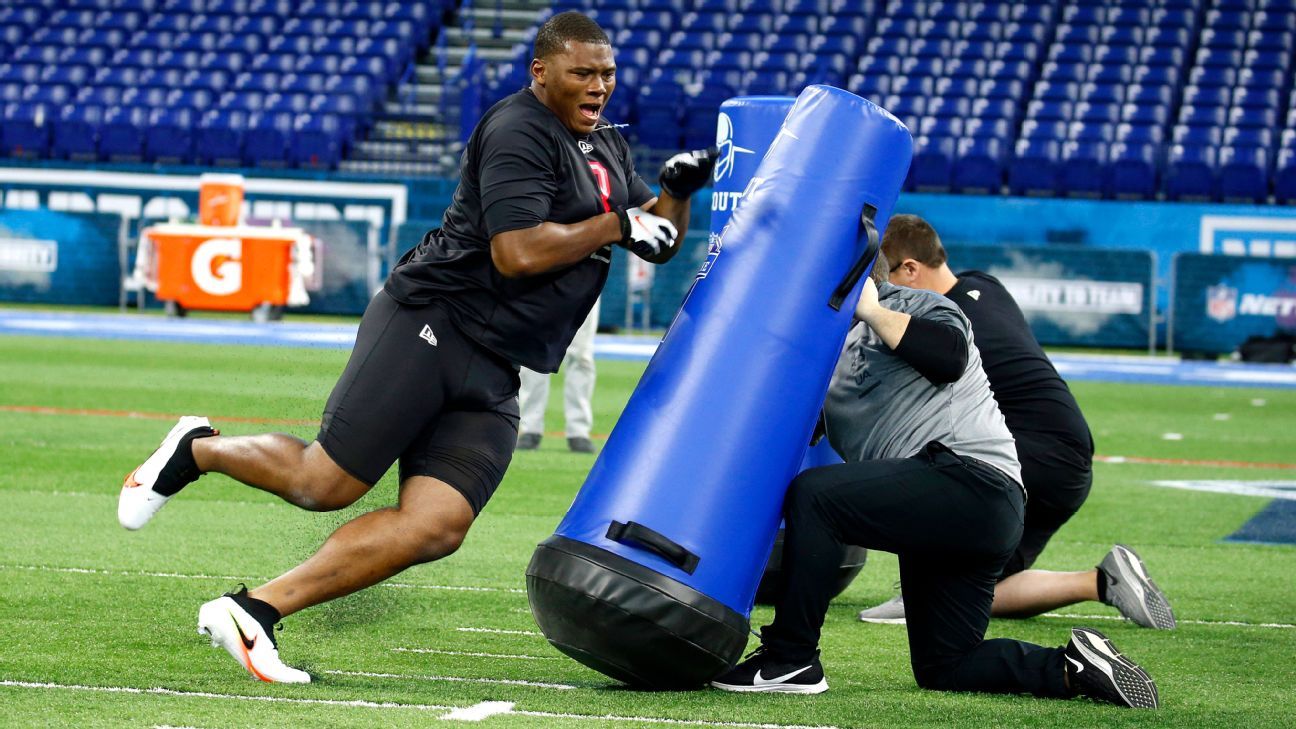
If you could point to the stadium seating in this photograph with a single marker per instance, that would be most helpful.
(1141, 99)
(265, 82)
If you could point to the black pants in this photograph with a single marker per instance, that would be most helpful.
(954, 522)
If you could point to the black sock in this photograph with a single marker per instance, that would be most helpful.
(1102, 586)
(264, 612)
(182, 469)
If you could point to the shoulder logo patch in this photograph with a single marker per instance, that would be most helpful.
(427, 334)
(975, 295)
(585, 146)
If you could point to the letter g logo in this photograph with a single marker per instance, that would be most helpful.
(216, 266)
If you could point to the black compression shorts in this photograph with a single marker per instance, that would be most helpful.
(417, 390)
(1057, 479)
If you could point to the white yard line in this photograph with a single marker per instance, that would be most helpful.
(481, 709)
(455, 679)
(470, 654)
(238, 578)
(497, 631)
(477, 712)
(158, 691)
(1280, 626)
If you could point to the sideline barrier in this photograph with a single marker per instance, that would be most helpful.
(1219, 301)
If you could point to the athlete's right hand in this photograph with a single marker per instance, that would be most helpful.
(644, 234)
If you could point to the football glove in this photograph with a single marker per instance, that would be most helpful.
(644, 234)
(687, 172)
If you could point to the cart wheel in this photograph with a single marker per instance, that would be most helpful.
(175, 310)
(261, 314)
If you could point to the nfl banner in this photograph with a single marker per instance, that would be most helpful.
(1071, 294)
(1219, 301)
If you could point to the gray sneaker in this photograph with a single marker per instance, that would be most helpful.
(890, 612)
(579, 444)
(528, 441)
(1131, 592)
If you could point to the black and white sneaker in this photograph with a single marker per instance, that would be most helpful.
(763, 673)
(170, 468)
(1132, 592)
(1097, 670)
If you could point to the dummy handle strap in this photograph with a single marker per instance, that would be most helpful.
(865, 260)
(638, 535)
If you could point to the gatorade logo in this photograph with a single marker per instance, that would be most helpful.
(217, 267)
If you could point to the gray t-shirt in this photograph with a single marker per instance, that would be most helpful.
(878, 406)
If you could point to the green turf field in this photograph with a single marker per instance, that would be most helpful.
(99, 623)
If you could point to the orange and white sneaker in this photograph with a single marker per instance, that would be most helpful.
(252, 644)
(169, 469)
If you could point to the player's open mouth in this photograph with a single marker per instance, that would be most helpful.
(590, 111)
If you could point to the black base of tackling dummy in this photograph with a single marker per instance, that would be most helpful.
(771, 584)
(627, 621)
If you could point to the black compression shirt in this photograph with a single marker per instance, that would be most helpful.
(520, 168)
(1031, 394)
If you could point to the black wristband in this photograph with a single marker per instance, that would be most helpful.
(625, 225)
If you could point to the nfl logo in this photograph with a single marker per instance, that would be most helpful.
(1221, 302)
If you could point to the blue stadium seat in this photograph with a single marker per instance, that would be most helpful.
(1019, 70)
(75, 133)
(992, 109)
(1070, 53)
(972, 50)
(1254, 98)
(1285, 176)
(934, 48)
(1202, 116)
(1055, 72)
(918, 88)
(799, 24)
(1033, 169)
(948, 107)
(1190, 172)
(980, 31)
(700, 110)
(922, 66)
(1032, 13)
(1041, 110)
(122, 133)
(104, 96)
(1250, 78)
(956, 88)
(973, 69)
(701, 20)
(265, 143)
(1083, 15)
(752, 23)
(55, 96)
(1132, 170)
(1096, 93)
(659, 115)
(1117, 35)
(1223, 38)
(316, 141)
(1243, 174)
(1264, 60)
(763, 83)
(871, 87)
(1208, 136)
(1247, 137)
(26, 129)
(1091, 131)
(1156, 75)
(1036, 131)
(1083, 167)
(979, 128)
(142, 97)
(1055, 91)
(1162, 56)
(1148, 95)
(847, 45)
(1243, 117)
(930, 126)
(170, 136)
(219, 136)
(1226, 19)
(1206, 96)
(1145, 114)
(1096, 112)
(978, 165)
(905, 105)
(1023, 34)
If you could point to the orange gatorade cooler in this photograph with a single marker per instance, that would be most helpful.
(220, 199)
(223, 268)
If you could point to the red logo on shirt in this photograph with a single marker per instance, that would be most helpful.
(603, 182)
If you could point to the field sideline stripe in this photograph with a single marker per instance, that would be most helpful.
(471, 654)
(359, 703)
(455, 679)
(42, 410)
(242, 578)
(498, 631)
(1281, 626)
(1191, 462)
(394, 705)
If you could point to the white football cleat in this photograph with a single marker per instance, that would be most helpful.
(242, 636)
(139, 501)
